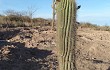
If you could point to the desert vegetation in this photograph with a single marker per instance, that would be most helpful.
(66, 34)
(94, 26)
(13, 18)
(28, 43)
(24, 47)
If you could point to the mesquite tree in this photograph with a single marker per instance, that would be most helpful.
(66, 33)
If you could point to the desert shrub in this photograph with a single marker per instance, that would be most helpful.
(103, 28)
(41, 22)
(88, 25)
(106, 28)
(1, 19)
(14, 18)
(17, 19)
(94, 26)
(14, 21)
(26, 19)
(7, 25)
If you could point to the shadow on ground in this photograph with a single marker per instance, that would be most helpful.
(8, 34)
(108, 68)
(15, 56)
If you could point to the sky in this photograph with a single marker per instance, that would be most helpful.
(93, 11)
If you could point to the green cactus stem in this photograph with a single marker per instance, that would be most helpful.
(66, 33)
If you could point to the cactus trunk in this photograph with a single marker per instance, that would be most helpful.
(66, 33)
(53, 21)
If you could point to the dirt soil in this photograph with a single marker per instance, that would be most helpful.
(35, 49)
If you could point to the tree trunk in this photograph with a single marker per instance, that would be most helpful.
(66, 33)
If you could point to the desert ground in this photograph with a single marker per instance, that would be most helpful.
(27, 48)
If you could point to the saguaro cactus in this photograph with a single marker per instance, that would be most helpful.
(53, 18)
(66, 33)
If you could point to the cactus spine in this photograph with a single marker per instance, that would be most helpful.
(66, 33)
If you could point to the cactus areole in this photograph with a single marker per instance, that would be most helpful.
(66, 33)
